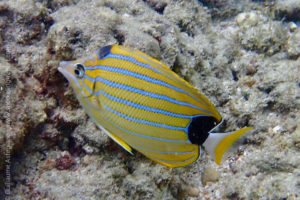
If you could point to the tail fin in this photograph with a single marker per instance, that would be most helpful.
(218, 143)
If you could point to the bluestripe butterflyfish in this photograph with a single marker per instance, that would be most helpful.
(141, 104)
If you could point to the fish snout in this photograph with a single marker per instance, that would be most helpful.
(63, 65)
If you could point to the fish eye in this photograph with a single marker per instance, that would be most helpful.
(79, 70)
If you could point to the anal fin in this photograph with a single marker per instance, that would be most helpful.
(118, 140)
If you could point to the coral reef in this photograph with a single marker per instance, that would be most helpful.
(243, 55)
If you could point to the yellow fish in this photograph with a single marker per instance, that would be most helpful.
(143, 105)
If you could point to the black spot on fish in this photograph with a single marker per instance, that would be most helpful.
(199, 128)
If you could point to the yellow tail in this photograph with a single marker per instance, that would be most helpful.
(218, 143)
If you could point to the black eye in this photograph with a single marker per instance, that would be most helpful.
(79, 70)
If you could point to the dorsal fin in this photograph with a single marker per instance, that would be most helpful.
(102, 52)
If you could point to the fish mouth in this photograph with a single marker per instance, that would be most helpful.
(66, 69)
(61, 70)
(63, 67)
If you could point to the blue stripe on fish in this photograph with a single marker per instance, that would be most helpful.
(142, 121)
(174, 161)
(131, 59)
(136, 134)
(162, 152)
(142, 77)
(145, 93)
(165, 72)
(87, 87)
(147, 59)
(140, 106)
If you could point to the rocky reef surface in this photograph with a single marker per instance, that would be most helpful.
(243, 55)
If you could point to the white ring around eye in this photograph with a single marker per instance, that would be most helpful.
(79, 70)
